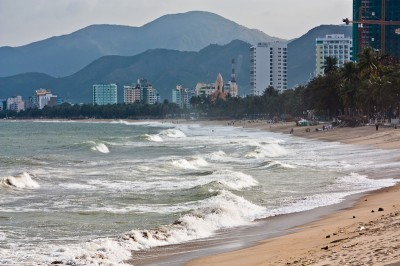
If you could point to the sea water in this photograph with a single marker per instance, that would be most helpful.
(86, 193)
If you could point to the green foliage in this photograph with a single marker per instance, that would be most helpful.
(115, 111)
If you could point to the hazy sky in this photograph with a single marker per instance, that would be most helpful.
(26, 21)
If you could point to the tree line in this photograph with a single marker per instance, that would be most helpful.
(369, 88)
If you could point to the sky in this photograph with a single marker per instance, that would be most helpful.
(26, 21)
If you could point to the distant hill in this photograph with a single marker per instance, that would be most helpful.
(302, 55)
(64, 55)
(163, 68)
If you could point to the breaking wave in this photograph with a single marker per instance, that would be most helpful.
(100, 147)
(173, 133)
(276, 164)
(191, 164)
(153, 138)
(22, 180)
(268, 150)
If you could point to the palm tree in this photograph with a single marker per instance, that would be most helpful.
(349, 86)
(368, 62)
(330, 64)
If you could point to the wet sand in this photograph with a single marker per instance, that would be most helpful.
(366, 233)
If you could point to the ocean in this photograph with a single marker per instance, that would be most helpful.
(90, 193)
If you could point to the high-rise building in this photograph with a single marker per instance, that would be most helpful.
(268, 67)
(332, 45)
(376, 24)
(233, 88)
(132, 94)
(181, 96)
(104, 94)
(44, 98)
(149, 95)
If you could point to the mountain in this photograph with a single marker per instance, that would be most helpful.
(64, 55)
(302, 55)
(163, 68)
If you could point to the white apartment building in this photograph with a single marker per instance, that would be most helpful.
(268, 67)
(333, 45)
(105, 94)
(44, 98)
(15, 104)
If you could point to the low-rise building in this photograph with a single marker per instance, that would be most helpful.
(204, 89)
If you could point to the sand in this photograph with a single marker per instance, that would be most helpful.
(368, 233)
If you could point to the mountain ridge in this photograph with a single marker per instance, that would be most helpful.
(190, 31)
(172, 68)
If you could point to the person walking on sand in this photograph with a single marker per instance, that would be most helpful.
(377, 126)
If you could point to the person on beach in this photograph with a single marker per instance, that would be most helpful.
(291, 131)
(377, 126)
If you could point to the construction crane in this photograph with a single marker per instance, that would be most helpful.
(382, 22)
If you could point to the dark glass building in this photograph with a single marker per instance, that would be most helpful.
(376, 24)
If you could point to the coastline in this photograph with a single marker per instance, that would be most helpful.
(366, 233)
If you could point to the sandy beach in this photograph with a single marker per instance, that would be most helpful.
(365, 234)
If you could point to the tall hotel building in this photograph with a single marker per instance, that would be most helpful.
(333, 45)
(104, 94)
(268, 67)
(376, 24)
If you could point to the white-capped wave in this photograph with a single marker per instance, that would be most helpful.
(101, 147)
(22, 180)
(234, 180)
(270, 164)
(218, 155)
(222, 211)
(268, 150)
(190, 164)
(173, 133)
(154, 138)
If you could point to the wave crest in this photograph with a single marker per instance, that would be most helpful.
(192, 164)
(173, 133)
(153, 138)
(100, 147)
(269, 150)
(22, 180)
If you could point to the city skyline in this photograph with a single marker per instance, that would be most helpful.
(23, 22)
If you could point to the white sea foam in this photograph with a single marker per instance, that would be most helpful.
(23, 180)
(101, 147)
(265, 151)
(234, 180)
(218, 155)
(347, 185)
(193, 163)
(173, 133)
(222, 211)
(271, 164)
(154, 138)
(361, 183)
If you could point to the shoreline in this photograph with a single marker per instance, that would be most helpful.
(364, 233)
